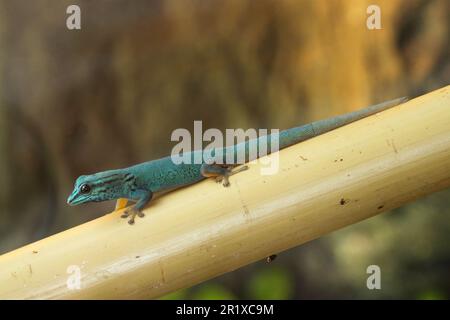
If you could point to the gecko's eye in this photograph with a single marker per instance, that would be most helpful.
(85, 188)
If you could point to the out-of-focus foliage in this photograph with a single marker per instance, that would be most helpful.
(212, 291)
(271, 283)
(110, 94)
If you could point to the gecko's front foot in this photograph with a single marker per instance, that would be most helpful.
(132, 212)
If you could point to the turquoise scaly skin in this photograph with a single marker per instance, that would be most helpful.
(139, 182)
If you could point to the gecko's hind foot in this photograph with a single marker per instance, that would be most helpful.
(224, 180)
(230, 172)
(220, 172)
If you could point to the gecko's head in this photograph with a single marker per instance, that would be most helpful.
(99, 187)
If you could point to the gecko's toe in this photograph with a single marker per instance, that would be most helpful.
(132, 213)
(243, 168)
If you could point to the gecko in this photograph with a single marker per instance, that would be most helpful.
(140, 182)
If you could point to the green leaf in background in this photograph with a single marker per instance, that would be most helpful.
(213, 291)
(271, 283)
(431, 295)
(177, 295)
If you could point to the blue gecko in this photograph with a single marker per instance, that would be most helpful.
(139, 182)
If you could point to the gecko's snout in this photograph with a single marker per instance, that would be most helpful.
(75, 198)
(71, 198)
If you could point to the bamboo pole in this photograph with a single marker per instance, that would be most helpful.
(205, 230)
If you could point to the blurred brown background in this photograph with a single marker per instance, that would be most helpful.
(109, 95)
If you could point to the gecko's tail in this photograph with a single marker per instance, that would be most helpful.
(326, 125)
(298, 134)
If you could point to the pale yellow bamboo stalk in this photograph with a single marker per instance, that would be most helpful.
(205, 230)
